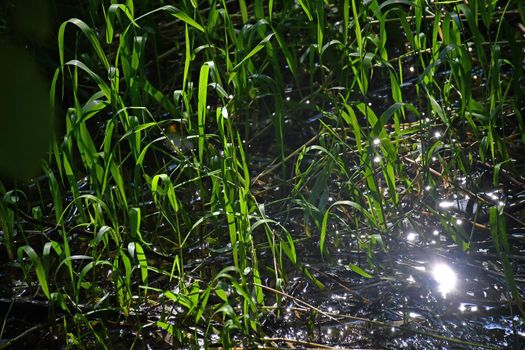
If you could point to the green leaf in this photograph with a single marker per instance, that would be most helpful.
(112, 11)
(254, 51)
(172, 10)
(202, 106)
(37, 264)
(324, 225)
(89, 33)
(359, 271)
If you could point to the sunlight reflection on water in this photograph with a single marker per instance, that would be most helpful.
(445, 277)
(446, 204)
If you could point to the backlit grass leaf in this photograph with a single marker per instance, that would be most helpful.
(254, 51)
(41, 274)
(324, 225)
(172, 10)
(359, 271)
(91, 36)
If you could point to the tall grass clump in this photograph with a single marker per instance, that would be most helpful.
(200, 146)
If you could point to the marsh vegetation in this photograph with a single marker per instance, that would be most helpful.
(275, 174)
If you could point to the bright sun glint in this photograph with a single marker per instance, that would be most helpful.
(445, 277)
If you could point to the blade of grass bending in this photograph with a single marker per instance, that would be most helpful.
(86, 269)
(89, 33)
(39, 268)
(254, 51)
(101, 84)
(46, 253)
(391, 2)
(134, 222)
(351, 119)
(136, 250)
(172, 10)
(112, 12)
(324, 225)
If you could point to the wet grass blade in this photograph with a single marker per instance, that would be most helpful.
(37, 265)
(254, 51)
(91, 36)
(498, 232)
(202, 106)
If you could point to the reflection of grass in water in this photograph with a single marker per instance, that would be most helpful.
(184, 230)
